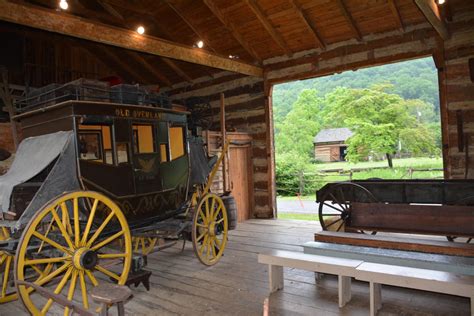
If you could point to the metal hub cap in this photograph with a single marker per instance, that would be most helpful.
(85, 259)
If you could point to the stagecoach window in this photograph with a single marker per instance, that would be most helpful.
(177, 148)
(95, 143)
(143, 139)
(164, 152)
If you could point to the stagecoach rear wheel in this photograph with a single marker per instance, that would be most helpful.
(7, 292)
(335, 206)
(209, 230)
(74, 236)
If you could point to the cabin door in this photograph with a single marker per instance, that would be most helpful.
(240, 175)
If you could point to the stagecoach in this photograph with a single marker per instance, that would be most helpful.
(95, 184)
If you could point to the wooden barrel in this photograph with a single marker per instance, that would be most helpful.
(231, 207)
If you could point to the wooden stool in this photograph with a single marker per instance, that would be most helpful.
(109, 294)
(142, 276)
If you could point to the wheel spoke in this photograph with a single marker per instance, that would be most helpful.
(92, 278)
(51, 276)
(6, 275)
(204, 219)
(343, 222)
(332, 223)
(207, 208)
(51, 242)
(82, 282)
(212, 208)
(217, 212)
(201, 225)
(107, 272)
(330, 215)
(204, 243)
(58, 290)
(72, 288)
(47, 260)
(213, 248)
(201, 236)
(89, 222)
(108, 240)
(77, 232)
(220, 221)
(47, 232)
(334, 208)
(112, 255)
(62, 229)
(66, 218)
(100, 229)
(218, 243)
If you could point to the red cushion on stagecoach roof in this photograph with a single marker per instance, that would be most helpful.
(112, 80)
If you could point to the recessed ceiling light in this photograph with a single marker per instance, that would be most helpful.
(200, 44)
(140, 30)
(63, 5)
(441, 1)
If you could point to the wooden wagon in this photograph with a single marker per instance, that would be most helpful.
(433, 207)
(93, 185)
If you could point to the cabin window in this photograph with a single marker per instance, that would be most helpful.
(143, 139)
(95, 143)
(177, 143)
(164, 152)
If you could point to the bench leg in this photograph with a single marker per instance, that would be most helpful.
(375, 298)
(344, 286)
(472, 306)
(275, 274)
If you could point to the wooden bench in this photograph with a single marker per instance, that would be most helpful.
(343, 268)
(421, 279)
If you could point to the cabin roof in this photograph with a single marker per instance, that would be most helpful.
(332, 135)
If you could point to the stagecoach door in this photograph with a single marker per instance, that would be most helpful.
(146, 158)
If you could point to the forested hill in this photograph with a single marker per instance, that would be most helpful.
(415, 79)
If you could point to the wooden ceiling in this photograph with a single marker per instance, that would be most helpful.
(252, 30)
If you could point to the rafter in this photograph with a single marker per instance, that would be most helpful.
(191, 26)
(106, 56)
(349, 19)
(110, 9)
(307, 22)
(232, 28)
(430, 10)
(176, 69)
(268, 26)
(396, 14)
(141, 60)
(49, 20)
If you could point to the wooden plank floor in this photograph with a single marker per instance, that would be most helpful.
(238, 285)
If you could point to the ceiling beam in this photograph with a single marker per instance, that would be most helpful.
(232, 28)
(268, 26)
(66, 24)
(430, 10)
(177, 69)
(396, 14)
(349, 19)
(201, 36)
(307, 22)
(141, 60)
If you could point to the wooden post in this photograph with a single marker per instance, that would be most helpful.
(7, 100)
(223, 135)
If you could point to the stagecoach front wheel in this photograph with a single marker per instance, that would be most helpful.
(209, 231)
(7, 292)
(72, 240)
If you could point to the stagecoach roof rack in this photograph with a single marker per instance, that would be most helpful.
(91, 90)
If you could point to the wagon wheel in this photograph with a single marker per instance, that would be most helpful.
(209, 231)
(73, 234)
(466, 201)
(335, 206)
(7, 293)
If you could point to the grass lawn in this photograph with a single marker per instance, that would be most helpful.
(298, 216)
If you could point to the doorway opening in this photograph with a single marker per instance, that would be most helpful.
(379, 122)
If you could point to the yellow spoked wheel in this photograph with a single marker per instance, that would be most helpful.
(7, 292)
(144, 245)
(72, 238)
(209, 231)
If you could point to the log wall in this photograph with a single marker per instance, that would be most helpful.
(246, 111)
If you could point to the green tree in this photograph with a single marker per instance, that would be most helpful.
(382, 122)
(297, 130)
